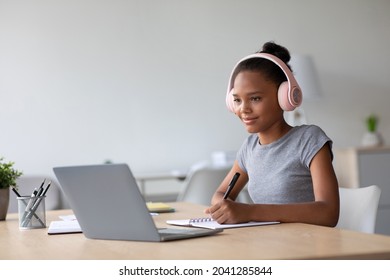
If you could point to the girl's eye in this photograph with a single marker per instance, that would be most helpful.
(236, 100)
(256, 98)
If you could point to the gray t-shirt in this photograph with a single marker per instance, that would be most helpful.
(279, 172)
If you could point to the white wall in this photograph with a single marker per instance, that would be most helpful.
(144, 82)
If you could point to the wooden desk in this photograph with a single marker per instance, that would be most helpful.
(282, 241)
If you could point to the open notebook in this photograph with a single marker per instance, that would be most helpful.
(211, 224)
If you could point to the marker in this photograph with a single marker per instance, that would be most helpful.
(231, 185)
(32, 200)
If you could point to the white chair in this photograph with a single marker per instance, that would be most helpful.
(202, 182)
(26, 185)
(358, 208)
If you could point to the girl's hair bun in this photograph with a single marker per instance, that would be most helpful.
(276, 50)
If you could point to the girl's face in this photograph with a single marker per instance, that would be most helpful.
(256, 101)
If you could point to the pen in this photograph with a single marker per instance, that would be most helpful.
(231, 185)
(43, 182)
(29, 205)
(16, 192)
(40, 190)
(40, 195)
(32, 200)
(48, 186)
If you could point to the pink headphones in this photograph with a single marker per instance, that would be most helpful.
(289, 92)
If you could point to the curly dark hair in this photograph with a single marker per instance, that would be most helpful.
(270, 70)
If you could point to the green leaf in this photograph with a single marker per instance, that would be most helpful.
(8, 174)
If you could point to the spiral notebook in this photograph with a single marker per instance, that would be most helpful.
(212, 224)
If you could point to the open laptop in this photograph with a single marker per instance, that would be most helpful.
(108, 204)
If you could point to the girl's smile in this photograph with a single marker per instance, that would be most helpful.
(248, 120)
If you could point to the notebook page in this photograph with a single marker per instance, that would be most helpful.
(209, 223)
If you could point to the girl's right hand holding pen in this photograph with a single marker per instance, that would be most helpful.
(229, 212)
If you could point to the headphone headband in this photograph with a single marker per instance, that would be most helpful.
(289, 98)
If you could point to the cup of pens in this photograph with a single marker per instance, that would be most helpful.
(31, 209)
(32, 213)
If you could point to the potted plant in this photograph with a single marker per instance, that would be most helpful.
(371, 137)
(8, 176)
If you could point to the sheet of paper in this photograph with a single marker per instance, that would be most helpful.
(59, 227)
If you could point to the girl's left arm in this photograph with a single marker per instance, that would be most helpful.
(325, 186)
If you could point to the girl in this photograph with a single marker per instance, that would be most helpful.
(288, 169)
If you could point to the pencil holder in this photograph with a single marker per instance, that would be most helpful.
(32, 212)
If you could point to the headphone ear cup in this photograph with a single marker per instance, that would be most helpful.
(230, 101)
(283, 97)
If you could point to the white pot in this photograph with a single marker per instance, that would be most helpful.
(371, 139)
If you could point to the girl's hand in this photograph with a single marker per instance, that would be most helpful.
(229, 212)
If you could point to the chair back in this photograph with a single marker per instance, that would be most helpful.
(202, 182)
(358, 208)
(26, 185)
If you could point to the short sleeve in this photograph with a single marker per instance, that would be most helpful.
(312, 140)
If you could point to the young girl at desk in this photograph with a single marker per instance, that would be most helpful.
(288, 169)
